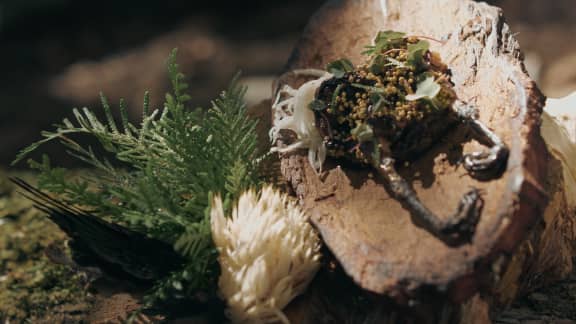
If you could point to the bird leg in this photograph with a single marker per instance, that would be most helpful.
(488, 163)
(457, 229)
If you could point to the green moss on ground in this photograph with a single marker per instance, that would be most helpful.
(32, 288)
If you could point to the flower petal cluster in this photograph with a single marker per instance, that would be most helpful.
(268, 254)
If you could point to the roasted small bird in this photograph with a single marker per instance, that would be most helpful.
(385, 111)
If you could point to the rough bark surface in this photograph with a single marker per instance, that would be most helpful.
(370, 233)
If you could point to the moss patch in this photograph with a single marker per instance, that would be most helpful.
(32, 288)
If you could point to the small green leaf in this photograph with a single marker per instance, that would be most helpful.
(378, 102)
(340, 68)
(367, 87)
(383, 41)
(378, 64)
(369, 50)
(317, 105)
(375, 97)
(389, 36)
(336, 94)
(416, 53)
(363, 133)
(427, 88)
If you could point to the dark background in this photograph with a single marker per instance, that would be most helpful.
(59, 54)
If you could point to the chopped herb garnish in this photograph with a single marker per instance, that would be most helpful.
(378, 64)
(427, 88)
(383, 41)
(340, 68)
(335, 95)
(363, 133)
(378, 102)
(416, 53)
(367, 87)
(317, 105)
(389, 36)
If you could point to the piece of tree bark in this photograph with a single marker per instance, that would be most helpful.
(370, 233)
(547, 254)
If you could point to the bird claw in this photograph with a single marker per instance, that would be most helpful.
(463, 224)
(490, 162)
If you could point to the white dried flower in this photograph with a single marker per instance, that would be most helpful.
(269, 253)
(293, 113)
(559, 132)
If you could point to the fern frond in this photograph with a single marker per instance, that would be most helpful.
(158, 176)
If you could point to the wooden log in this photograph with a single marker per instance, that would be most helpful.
(372, 235)
(547, 254)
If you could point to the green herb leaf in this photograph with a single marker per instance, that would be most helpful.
(378, 102)
(427, 88)
(369, 50)
(389, 36)
(383, 41)
(336, 94)
(317, 105)
(340, 68)
(378, 64)
(367, 87)
(416, 53)
(363, 133)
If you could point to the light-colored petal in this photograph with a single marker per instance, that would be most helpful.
(269, 253)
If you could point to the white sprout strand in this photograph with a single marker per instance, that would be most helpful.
(300, 118)
(311, 72)
(384, 8)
